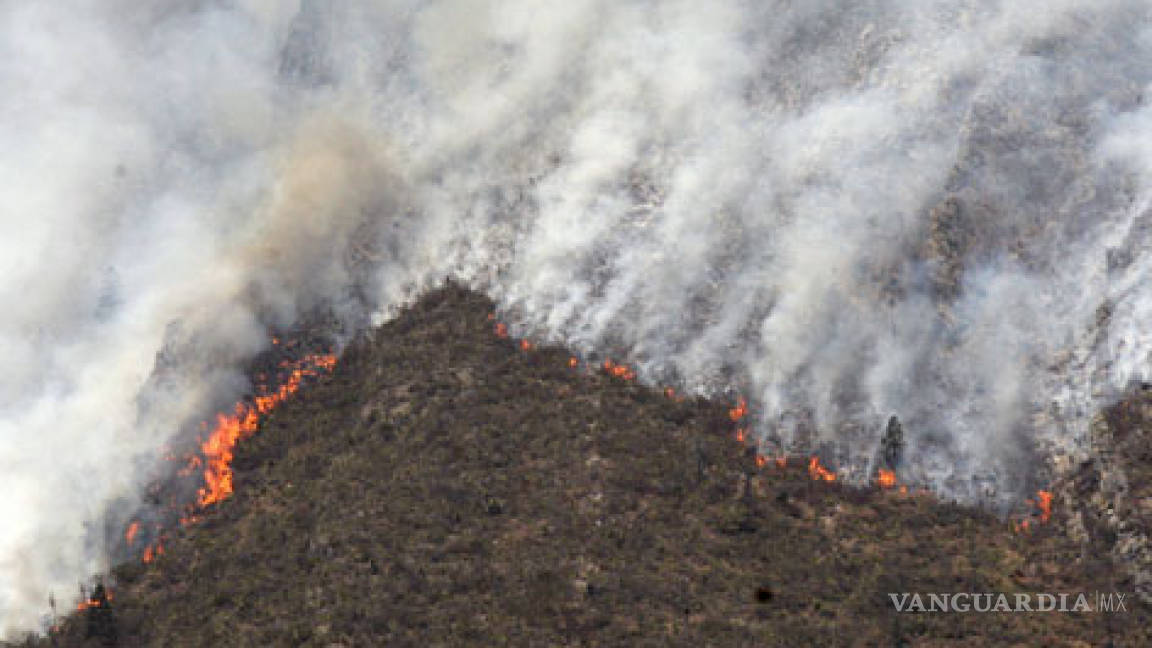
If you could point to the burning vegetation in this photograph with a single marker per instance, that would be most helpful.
(891, 444)
(217, 449)
(434, 488)
(211, 461)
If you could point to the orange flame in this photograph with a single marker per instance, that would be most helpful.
(818, 472)
(619, 370)
(93, 602)
(761, 460)
(740, 434)
(216, 450)
(1045, 505)
(501, 330)
(573, 362)
(739, 411)
(886, 478)
(130, 534)
(241, 424)
(525, 345)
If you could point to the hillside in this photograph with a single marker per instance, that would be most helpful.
(445, 487)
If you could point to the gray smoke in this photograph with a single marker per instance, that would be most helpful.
(842, 210)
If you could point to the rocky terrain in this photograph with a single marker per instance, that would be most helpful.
(446, 486)
(1109, 497)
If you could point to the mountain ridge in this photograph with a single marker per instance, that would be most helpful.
(447, 486)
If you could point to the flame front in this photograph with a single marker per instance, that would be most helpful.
(885, 479)
(242, 423)
(818, 472)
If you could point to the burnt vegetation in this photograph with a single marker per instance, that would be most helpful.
(446, 487)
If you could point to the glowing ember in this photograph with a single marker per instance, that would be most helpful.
(886, 478)
(739, 411)
(619, 370)
(818, 472)
(501, 330)
(525, 345)
(573, 362)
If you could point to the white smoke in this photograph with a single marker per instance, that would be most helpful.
(845, 210)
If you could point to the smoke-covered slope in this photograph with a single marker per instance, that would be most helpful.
(445, 487)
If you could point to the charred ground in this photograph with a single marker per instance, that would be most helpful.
(445, 487)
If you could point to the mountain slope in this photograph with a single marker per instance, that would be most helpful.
(446, 487)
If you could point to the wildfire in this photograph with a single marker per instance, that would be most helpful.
(886, 478)
(152, 552)
(818, 472)
(130, 534)
(1044, 503)
(619, 370)
(218, 448)
(738, 412)
(89, 603)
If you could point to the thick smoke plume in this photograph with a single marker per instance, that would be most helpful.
(843, 210)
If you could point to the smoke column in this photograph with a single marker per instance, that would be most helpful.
(844, 210)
